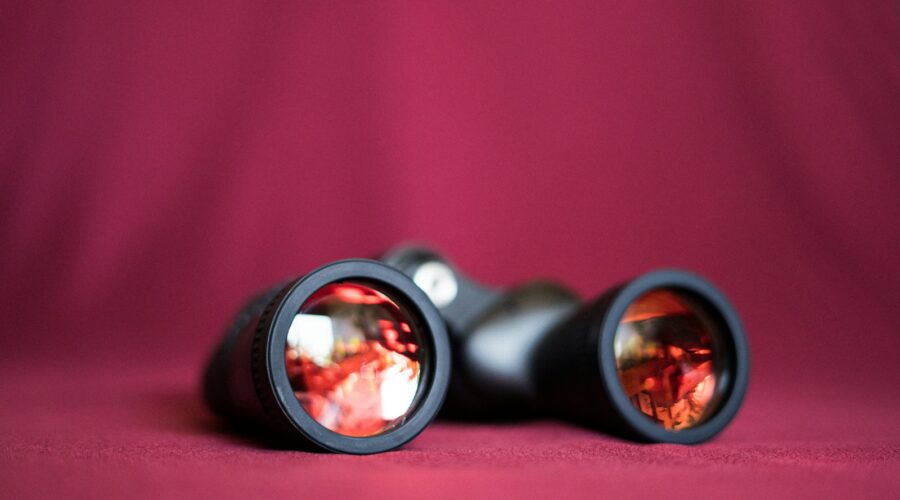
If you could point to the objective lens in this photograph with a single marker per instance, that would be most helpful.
(355, 359)
(667, 350)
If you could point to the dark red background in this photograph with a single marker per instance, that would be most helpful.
(161, 162)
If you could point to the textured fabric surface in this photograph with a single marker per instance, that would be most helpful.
(161, 161)
(122, 432)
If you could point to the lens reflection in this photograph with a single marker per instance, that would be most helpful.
(354, 359)
(665, 349)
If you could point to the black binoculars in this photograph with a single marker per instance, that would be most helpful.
(355, 357)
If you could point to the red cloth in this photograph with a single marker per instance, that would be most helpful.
(161, 162)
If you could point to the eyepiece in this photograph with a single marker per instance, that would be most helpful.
(350, 358)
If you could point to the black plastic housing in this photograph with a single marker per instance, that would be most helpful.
(536, 350)
(246, 380)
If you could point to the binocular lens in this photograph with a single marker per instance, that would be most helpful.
(354, 358)
(667, 350)
(351, 358)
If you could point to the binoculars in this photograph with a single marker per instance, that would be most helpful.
(359, 356)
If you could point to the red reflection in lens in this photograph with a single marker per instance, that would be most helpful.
(353, 360)
(664, 356)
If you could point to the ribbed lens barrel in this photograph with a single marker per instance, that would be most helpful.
(351, 358)
(666, 349)
(354, 358)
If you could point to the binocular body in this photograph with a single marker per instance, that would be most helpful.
(356, 356)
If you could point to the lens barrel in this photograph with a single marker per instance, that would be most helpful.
(580, 378)
(351, 358)
(661, 358)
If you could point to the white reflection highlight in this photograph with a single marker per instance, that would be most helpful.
(398, 388)
(312, 336)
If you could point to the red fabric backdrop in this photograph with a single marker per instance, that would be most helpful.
(160, 161)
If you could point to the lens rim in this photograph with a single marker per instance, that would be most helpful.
(273, 331)
(737, 355)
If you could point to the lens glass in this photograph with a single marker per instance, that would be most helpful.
(355, 359)
(668, 355)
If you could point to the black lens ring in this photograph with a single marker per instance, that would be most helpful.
(269, 369)
(733, 334)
